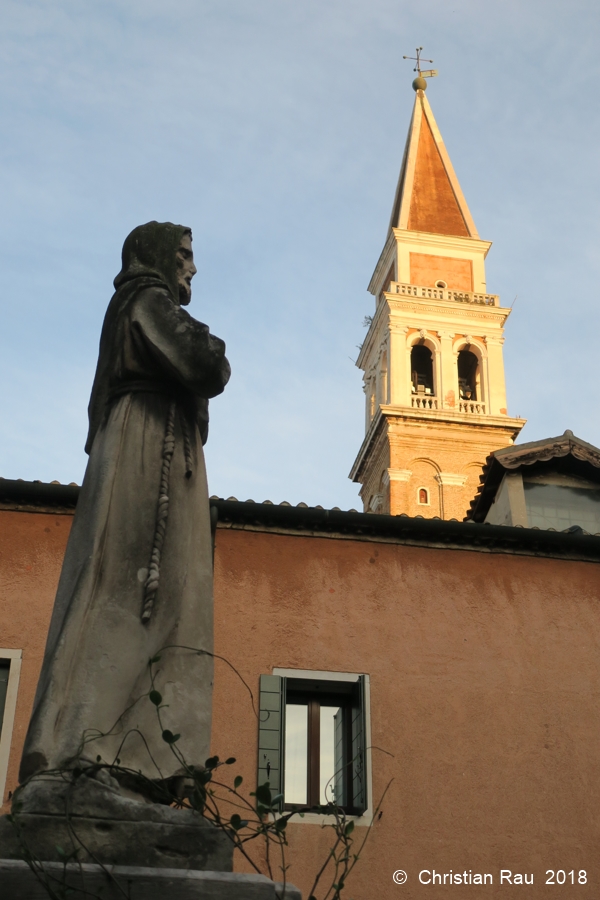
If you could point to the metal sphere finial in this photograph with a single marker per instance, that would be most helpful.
(419, 84)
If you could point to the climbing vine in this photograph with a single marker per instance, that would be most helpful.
(246, 817)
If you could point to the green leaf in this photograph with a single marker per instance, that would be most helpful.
(237, 781)
(169, 737)
(263, 794)
(98, 759)
(280, 825)
(155, 698)
(212, 762)
(236, 821)
(154, 659)
(349, 828)
(230, 761)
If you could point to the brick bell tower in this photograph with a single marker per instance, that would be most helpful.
(432, 358)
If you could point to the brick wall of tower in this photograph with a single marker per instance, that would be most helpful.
(445, 459)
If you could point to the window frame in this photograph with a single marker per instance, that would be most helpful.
(275, 740)
(14, 658)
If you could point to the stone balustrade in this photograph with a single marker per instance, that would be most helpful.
(476, 407)
(424, 401)
(435, 293)
(427, 401)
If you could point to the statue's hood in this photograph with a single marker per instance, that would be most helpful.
(150, 251)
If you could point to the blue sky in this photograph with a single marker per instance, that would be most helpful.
(275, 130)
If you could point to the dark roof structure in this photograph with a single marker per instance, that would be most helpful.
(570, 454)
(314, 521)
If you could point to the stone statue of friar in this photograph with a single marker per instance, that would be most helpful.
(137, 573)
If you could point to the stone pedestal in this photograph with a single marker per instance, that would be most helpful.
(56, 818)
(86, 838)
(18, 882)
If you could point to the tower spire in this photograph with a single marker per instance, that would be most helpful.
(428, 195)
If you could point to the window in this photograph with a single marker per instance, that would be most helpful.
(312, 739)
(423, 496)
(4, 671)
(559, 506)
(10, 670)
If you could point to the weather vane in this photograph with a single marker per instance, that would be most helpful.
(419, 84)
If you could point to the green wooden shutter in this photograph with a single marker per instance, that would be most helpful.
(340, 759)
(4, 672)
(270, 732)
(359, 749)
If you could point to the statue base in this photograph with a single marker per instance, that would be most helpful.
(85, 838)
(19, 882)
(87, 821)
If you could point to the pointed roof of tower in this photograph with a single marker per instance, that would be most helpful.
(429, 197)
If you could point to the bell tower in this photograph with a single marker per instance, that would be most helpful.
(432, 357)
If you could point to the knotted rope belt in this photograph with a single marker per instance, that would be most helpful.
(162, 510)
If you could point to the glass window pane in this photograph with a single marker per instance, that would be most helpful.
(4, 671)
(327, 754)
(558, 506)
(296, 753)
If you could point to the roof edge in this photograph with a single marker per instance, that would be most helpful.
(315, 521)
(450, 534)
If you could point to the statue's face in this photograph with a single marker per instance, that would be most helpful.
(185, 269)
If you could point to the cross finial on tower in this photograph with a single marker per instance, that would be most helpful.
(419, 84)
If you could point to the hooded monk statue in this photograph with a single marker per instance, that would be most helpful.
(137, 573)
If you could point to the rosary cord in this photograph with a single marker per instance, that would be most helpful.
(151, 585)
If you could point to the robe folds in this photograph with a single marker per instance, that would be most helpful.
(157, 368)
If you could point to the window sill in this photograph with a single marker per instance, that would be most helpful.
(314, 818)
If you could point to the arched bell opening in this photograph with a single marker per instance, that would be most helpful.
(468, 376)
(421, 367)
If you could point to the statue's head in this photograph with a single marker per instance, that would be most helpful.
(163, 251)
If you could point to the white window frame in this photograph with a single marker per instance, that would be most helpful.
(366, 818)
(12, 689)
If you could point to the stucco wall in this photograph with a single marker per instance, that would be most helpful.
(485, 682)
(32, 547)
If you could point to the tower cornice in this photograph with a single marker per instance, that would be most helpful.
(447, 311)
(442, 241)
(389, 416)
